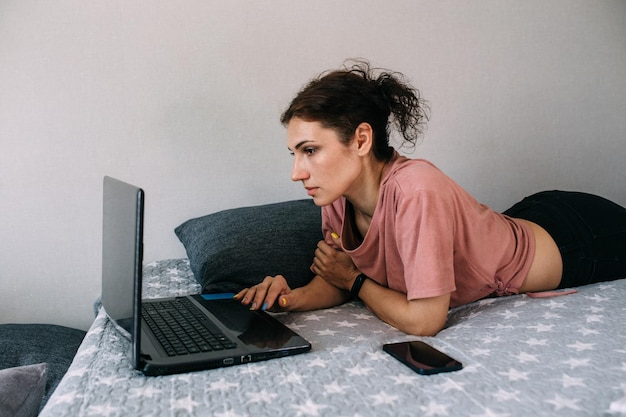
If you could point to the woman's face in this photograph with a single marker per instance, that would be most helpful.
(327, 168)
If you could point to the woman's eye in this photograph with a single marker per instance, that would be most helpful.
(309, 151)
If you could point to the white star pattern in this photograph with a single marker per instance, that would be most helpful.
(569, 381)
(618, 407)
(542, 327)
(552, 304)
(597, 299)
(262, 396)
(383, 398)
(292, 378)
(359, 370)
(76, 372)
(65, 398)
(501, 326)
(560, 402)
(252, 369)
(548, 315)
(309, 408)
(587, 332)
(341, 349)
(335, 388)
(576, 362)
(508, 314)
(327, 332)
(313, 317)
(184, 404)
(594, 318)
(505, 396)
(515, 375)
(480, 352)
(403, 379)
(145, 392)
(346, 323)
(580, 346)
(296, 327)
(491, 339)
(434, 408)
(105, 409)
(230, 413)
(451, 384)
(318, 362)
(489, 413)
(377, 356)
(522, 357)
(536, 342)
(222, 385)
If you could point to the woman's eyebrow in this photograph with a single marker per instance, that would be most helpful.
(299, 145)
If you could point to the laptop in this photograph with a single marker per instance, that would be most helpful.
(222, 332)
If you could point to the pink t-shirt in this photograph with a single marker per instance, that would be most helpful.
(429, 237)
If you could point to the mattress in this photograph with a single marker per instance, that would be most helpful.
(561, 356)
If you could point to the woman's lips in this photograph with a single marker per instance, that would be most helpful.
(311, 191)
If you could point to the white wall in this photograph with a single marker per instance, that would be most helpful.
(183, 99)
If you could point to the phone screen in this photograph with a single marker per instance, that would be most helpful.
(422, 358)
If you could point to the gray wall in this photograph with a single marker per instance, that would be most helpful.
(183, 98)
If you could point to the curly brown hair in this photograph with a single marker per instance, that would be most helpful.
(343, 99)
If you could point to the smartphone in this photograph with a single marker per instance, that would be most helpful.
(422, 358)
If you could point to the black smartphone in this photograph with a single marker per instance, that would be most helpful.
(422, 358)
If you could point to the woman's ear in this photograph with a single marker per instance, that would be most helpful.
(363, 138)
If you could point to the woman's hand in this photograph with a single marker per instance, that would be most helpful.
(273, 294)
(334, 266)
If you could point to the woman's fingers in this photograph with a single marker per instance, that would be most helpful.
(263, 296)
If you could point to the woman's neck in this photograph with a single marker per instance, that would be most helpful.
(365, 196)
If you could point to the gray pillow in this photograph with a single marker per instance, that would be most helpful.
(28, 344)
(237, 248)
(21, 390)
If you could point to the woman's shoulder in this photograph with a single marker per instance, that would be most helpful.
(412, 175)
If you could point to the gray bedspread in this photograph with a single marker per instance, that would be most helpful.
(562, 356)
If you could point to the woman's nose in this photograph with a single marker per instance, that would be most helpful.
(297, 173)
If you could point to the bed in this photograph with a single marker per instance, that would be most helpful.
(560, 356)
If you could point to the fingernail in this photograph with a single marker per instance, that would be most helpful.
(283, 301)
(264, 306)
(334, 235)
(253, 306)
(236, 296)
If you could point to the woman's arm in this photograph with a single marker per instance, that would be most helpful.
(275, 294)
(421, 317)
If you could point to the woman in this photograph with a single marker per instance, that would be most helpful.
(406, 239)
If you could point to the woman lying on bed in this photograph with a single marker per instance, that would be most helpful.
(405, 238)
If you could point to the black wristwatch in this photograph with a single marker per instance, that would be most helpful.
(356, 286)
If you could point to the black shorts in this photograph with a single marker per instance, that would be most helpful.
(590, 232)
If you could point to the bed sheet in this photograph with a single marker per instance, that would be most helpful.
(563, 356)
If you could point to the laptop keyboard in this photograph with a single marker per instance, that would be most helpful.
(182, 329)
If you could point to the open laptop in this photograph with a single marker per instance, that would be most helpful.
(224, 333)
